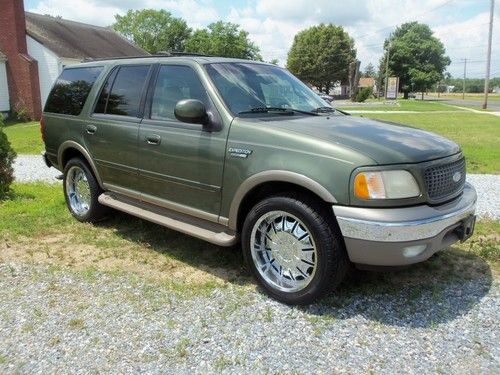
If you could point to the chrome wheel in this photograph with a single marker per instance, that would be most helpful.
(78, 191)
(283, 251)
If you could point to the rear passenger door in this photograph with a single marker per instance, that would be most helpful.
(180, 164)
(112, 130)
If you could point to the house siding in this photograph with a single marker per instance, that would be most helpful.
(4, 89)
(49, 66)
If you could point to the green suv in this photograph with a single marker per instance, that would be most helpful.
(233, 151)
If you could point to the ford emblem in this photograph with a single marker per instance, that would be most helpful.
(457, 176)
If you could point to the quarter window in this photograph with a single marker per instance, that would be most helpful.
(71, 90)
(122, 92)
(175, 83)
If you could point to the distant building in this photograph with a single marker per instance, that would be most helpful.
(368, 82)
(35, 48)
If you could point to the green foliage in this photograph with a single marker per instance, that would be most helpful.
(21, 113)
(321, 55)
(223, 39)
(415, 56)
(472, 85)
(363, 94)
(370, 71)
(153, 30)
(7, 156)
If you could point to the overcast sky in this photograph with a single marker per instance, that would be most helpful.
(462, 25)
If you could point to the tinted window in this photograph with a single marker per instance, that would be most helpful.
(121, 94)
(71, 90)
(174, 83)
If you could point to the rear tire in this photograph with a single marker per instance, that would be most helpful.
(82, 191)
(294, 249)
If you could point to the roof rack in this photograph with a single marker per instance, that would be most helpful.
(159, 54)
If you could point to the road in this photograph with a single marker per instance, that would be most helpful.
(492, 105)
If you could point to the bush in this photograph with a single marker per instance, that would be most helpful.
(363, 94)
(7, 155)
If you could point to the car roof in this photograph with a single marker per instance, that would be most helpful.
(200, 59)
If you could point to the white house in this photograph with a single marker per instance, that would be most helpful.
(34, 49)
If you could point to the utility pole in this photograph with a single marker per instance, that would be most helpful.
(488, 58)
(387, 70)
(465, 76)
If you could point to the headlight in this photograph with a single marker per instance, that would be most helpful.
(385, 185)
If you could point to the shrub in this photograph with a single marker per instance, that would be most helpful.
(7, 155)
(363, 94)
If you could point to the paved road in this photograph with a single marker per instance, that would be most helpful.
(494, 106)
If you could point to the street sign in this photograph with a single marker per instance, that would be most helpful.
(392, 88)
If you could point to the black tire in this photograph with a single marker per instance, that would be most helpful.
(331, 262)
(96, 211)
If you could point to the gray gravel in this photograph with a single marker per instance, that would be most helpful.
(58, 321)
(30, 168)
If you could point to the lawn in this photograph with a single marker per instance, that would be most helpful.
(477, 134)
(399, 105)
(36, 227)
(25, 137)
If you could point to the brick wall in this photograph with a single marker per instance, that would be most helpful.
(22, 69)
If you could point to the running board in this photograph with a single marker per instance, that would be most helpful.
(202, 229)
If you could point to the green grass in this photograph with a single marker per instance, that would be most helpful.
(477, 134)
(399, 105)
(25, 137)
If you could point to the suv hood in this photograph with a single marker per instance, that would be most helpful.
(384, 142)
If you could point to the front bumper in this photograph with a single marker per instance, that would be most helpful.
(401, 236)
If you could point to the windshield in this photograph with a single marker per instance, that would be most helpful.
(259, 88)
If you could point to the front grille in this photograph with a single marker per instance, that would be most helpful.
(439, 180)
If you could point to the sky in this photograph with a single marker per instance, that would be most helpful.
(462, 25)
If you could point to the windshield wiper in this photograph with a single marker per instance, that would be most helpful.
(328, 110)
(266, 110)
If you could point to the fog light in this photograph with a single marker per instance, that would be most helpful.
(413, 251)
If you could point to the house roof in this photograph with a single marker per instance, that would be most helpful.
(77, 40)
(366, 82)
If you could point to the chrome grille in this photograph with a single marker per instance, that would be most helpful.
(439, 180)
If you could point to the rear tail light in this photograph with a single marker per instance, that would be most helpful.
(42, 128)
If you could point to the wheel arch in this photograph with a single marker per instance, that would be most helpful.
(256, 187)
(70, 149)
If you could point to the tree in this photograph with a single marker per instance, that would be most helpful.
(321, 55)
(153, 30)
(223, 39)
(415, 56)
(7, 156)
(369, 71)
(274, 62)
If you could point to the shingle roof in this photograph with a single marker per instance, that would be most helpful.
(78, 40)
(366, 82)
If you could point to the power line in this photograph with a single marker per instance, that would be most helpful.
(417, 16)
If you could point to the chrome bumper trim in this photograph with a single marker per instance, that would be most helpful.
(404, 224)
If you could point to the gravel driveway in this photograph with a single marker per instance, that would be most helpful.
(57, 321)
(30, 168)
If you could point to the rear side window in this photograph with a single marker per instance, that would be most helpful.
(122, 92)
(71, 90)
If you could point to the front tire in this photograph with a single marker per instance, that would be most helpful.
(82, 191)
(294, 249)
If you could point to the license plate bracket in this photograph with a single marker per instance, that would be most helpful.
(466, 229)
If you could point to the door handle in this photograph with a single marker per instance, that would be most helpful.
(153, 139)
(91, 129)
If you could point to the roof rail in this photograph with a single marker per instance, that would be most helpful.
(159, 54)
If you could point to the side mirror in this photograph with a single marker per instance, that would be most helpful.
(191, 111)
